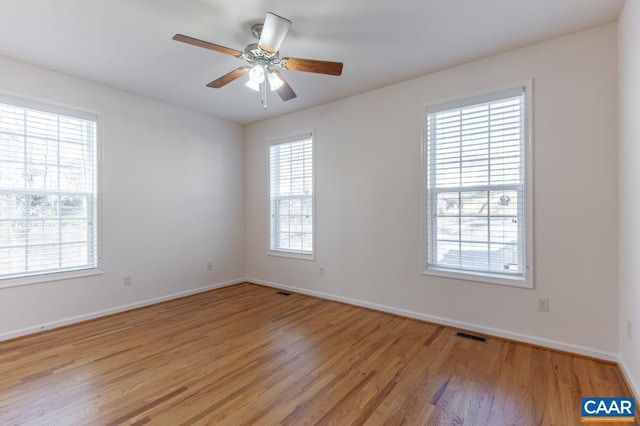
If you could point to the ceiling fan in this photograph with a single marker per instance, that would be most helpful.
(264, 59)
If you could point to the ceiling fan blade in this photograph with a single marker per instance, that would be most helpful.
(285, 91)
(312, 65)
(207, 45)
(229, 77)
(274, 30)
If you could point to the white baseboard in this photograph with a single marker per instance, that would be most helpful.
(525, 338)
(635, 387)
(92, 315)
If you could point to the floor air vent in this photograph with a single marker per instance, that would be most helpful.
(283, 293)
(471, 336)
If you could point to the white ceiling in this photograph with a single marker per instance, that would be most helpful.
(127, 43)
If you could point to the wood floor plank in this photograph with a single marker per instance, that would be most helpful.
(245, 354)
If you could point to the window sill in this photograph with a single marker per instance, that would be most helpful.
(43, 278)
(292, 255)
(481, 278)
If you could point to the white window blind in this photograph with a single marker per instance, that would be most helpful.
(476, 186)
(48, 190)
(291, 195)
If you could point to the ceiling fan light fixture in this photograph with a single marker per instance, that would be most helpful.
(275, 82)
(256, 74)
(251, 84)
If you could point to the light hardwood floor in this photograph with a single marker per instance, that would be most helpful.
(247, 355)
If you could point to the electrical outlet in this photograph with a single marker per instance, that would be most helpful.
(321, 271)
(127, 280)
(543, 304)
(210, 266)
(629, 329)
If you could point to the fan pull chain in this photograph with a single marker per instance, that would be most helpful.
(263, 86)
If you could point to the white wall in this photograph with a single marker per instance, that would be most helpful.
(369, 205)
(629, 193)
(172, 195)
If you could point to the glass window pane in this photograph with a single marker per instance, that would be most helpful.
(505, 258)
(12, 260)
(73, 231)
(448, 228)
(474, 256)
(74, 255)
(448, 203)
(11, 174)
(75, 207)
(505, 203)
(474, 229)
(448, 254)
(504, 230)
(474, 203)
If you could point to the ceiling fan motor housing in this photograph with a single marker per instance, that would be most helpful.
(256, 30)
(252, 54)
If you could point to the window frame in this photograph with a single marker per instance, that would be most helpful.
(526, 279)
(52, 107)
(291, 253)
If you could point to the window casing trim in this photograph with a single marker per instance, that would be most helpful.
(47, 277)
(280, 252)
(526, 280)
(51, 106)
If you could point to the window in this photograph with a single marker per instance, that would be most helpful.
(48, 190)
(478, 223)
(291, 194)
